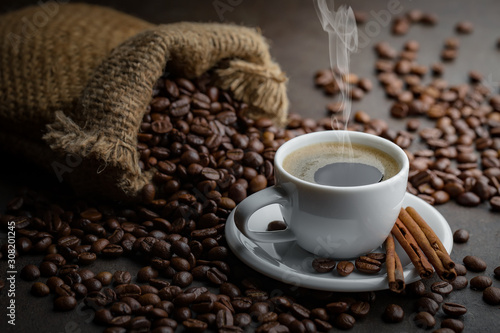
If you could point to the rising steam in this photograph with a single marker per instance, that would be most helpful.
(343, 40)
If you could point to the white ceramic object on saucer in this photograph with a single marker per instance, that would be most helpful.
(289, 263)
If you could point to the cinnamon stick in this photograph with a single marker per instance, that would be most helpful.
(409, 244)
(432, 238)
(423, 243)
(395, 274)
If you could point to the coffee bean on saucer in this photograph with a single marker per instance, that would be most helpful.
(461, 236)
(480, 282)
(491, 295)
(367, 265)
(474, 264)
(276, 225)
(393, 313)
(344, 268)
(323, 265)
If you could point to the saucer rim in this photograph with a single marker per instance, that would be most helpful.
(330, 282)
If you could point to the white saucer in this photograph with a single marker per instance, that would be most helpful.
(289, 263)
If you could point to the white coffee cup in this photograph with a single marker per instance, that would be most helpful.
(330, 221)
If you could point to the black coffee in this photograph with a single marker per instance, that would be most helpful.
(339, 164)
(347, 174)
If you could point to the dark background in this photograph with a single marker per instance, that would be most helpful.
(300, 46)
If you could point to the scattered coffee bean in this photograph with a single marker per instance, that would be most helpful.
(461, 236)
(40, 289)
(276, 225)
(453, 309)
(424, 320)
(474, 264)
(30, 273)
(454, 324)
(65, 303)
(480, 282)
(460, 282)
(491, 295)
(442, 287)
(496, 271)
(393, 313)
(426, 304)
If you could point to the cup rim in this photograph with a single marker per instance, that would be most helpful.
(402, 159)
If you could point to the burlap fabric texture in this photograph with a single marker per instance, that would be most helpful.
(74, 89)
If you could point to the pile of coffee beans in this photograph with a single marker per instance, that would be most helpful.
(461, 161)
(327, 81)
(401, 24)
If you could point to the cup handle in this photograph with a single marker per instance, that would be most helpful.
(245, 209)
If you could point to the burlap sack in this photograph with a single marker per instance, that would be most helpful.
(83, 79)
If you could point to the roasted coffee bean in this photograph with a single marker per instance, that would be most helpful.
(182, 279)
(491, 295)
(367, 265)
(344, 321)
(474, 264)
(345, 268)
(299, 311)
(460, 269)
(48, 269)
(30, 273)
(480, 282)
(40, 289)
(442, 287)
(128, 290)
(92, 284)
(149, 299)
(453, 309)
(80, 290)
(454, 324)
(416, 289)
(464, 27)
(459, 283)
(323, 265)
(146, 273)
(461, 236)
(122, 277)
(426, 304)
(424, 320)
(337, 307)
(393, 313)
(65, 303)
(496, 271)
(359, 309)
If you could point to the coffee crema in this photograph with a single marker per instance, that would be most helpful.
(339, 164)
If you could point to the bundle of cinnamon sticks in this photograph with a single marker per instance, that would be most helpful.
(422, 246)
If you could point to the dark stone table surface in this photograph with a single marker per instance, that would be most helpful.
(301, 47)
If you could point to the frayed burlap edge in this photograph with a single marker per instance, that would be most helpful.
(104, 127)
